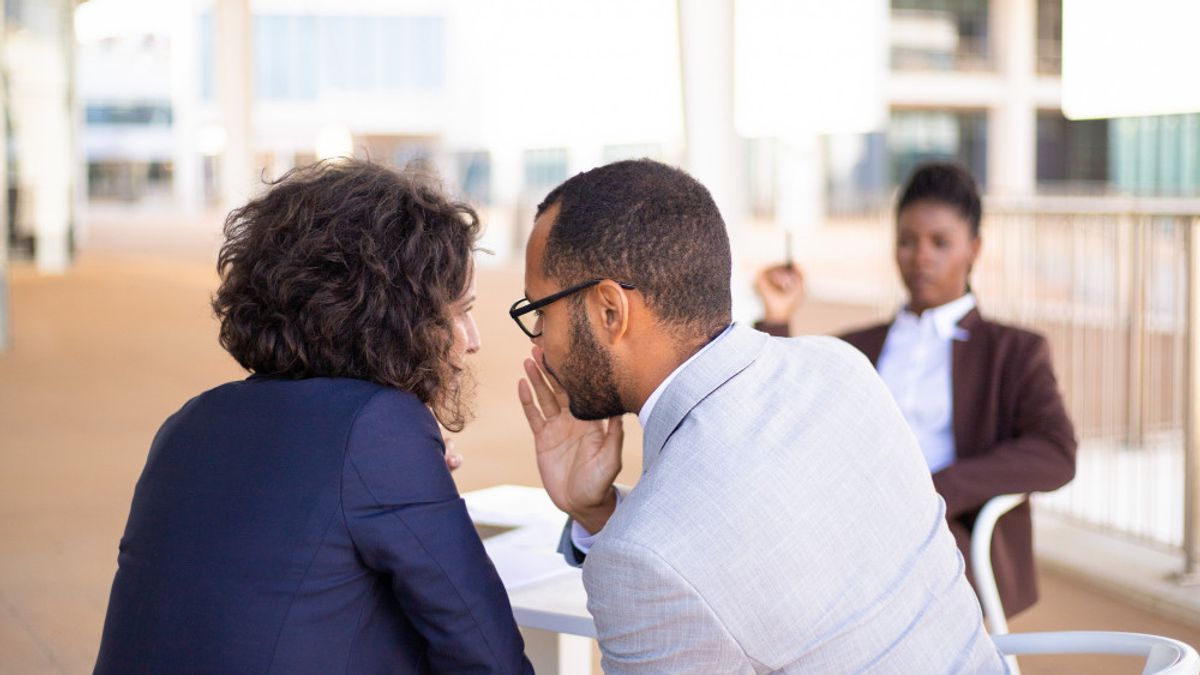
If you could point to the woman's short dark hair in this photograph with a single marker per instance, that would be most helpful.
(348, 269)
(948, 183)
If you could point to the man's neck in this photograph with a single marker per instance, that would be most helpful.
(657, 362)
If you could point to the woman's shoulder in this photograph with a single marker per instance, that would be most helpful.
(864, 332)
(315, 399)
(1002, 332)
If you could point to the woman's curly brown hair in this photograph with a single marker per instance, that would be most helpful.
(349, 269)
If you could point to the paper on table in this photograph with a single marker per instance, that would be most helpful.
(528, 553)
(519, 567)
(512, 505)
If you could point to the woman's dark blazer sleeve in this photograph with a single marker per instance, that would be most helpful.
(407, 522)
(1034, 446)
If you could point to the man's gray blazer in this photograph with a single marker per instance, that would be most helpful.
(785, 521)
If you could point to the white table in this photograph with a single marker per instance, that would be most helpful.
(546, 593)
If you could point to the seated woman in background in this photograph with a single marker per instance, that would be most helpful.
(980, 396)
(304, 520)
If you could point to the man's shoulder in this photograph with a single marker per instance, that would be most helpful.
(868, 340)
(812, 354)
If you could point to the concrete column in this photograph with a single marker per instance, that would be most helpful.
(711, 149)
(800, 204)
(235, 96)
(186, 184)
(1012, 124)
(40, 105)
(510, 221)
(1191, 408)
(5, 320)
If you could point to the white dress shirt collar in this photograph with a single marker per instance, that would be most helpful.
(945, 317)
(916, 364)
(648, 406)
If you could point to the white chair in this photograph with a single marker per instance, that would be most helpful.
(1164, 656)
(981, 559)
(981, 566)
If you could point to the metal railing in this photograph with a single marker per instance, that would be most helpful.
(1112, 285)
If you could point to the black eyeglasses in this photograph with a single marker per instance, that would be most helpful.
(528, 316)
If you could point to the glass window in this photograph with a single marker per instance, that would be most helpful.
(620, 151)
(940, 35)
(762, 175)
(334, 53)
(413, 155)
(397, 69)
(306, 58)
(863, 170)
(1157, 155)
(1049, 37)
(916, 136)
(138, 115)
(301, 57)
(364, 55)
(1072, 156)
(856, 174)
(270, 57)
(475, 176)
(427, 52)
(545, 168)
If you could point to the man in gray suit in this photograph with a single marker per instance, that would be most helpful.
(785, 520)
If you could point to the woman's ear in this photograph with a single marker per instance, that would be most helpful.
(976, 247)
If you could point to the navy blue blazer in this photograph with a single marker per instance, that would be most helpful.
(304, 526)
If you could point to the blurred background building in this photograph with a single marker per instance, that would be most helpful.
(430, 82)
(134, 126)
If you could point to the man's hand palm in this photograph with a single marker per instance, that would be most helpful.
(573, 460)
(578, 460)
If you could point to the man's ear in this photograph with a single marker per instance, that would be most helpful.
(610, 307)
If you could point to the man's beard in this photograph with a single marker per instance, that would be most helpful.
(587, 375)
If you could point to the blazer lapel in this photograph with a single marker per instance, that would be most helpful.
(734, 351)
(968, 351)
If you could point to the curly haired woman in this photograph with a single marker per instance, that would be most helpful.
(304, 520)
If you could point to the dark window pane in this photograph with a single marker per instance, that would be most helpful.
(940, 35)
(916, 136)
(545, 168)
(1072, 156)
(1049, 36)
(144, 115)
(475, 176)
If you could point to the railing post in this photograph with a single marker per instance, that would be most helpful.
(1136, 331)
(1191, 403)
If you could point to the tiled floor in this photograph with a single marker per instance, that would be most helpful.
(103, 354)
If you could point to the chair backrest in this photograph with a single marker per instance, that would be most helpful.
(1164, 656)
(981, 566)
(981, 559)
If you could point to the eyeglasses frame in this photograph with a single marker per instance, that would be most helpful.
(517, 312)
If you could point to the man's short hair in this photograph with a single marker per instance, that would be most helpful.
(648, 224)
(946, 183)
